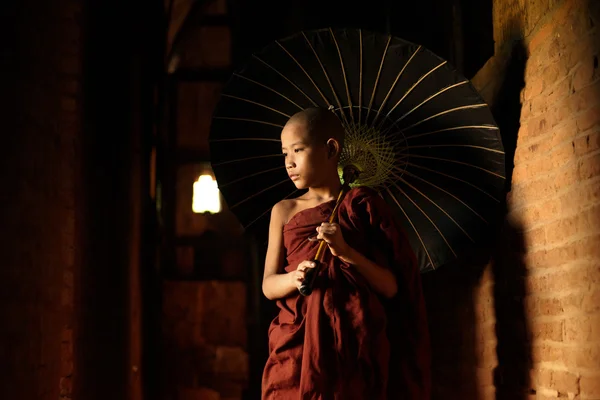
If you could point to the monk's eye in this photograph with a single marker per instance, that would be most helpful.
(298, 150)
(284, 154)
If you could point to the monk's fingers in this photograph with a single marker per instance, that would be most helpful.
(327, 238)
(327, 225)
(306, 264)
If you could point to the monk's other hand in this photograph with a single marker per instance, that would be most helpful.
(332, 235)
(299, 274)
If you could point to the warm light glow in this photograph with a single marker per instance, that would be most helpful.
(206, 195)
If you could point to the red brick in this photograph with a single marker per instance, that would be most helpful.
(538, 306)
(587, 247)
(590, 386)
(552, 73)
(588, 143)
(582, 328)
(526, 108)
(581, 277)
(578, 51)
(66, 386)
(584, 74)
(534, 87)
(589, 167)
(545, 352)
(66, 361)
(552, 331)
(540, 213)
(536, 237)
(566, 132)
(590, 302)
(582, 356)
(568, 227)
(583, 195)
(565, 382)
(584, 98)
(537, 126)
(485, 376)
(540, 37)
(588, 119)
(558, 92)
(559, 113)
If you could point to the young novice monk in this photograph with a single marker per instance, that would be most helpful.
(362, 333)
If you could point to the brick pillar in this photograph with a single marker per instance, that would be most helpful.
(41, 80)
(67, 230)
(535, 330)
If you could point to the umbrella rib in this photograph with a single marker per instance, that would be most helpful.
(387, 45)
(412, 225)
(246, 159)
(458, 162)
(287, 79)
(257, 193)
(335, 96)
(469, 107)
(455, 145)
(394, 84)
(327, 103)
(455, 178)
(360, 75)
(244, 139)
(269, 209)
(256, 103)
(435, 204)
(251, 175)
(344, 74)
(448, 193)
(249, 120)
(426, 216)
(454, 128)
(417, 83)
(268, 88)
(430, 98)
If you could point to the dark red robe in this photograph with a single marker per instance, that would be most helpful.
(344, 341)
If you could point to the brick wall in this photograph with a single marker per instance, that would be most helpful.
(205, 310)
(527, 325)
(40, 103)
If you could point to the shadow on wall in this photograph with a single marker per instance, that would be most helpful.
(511, 376)
(449, 294)
(464, 334)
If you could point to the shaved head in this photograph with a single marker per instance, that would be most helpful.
(320, 123)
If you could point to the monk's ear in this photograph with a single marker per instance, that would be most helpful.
(333, 148)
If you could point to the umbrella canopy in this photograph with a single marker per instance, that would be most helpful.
(417, 130)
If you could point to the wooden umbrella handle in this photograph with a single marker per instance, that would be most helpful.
(350, 174)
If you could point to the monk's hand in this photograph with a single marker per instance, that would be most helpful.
(299, 274)
(332, 235)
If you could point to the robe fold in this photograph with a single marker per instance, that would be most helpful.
(344, 341)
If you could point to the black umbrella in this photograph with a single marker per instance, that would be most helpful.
(418, 131)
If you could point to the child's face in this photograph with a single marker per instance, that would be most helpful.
(306, 159)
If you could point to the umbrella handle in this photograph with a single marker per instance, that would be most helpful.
(350, 174)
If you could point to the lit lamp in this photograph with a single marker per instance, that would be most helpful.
(206, 197)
